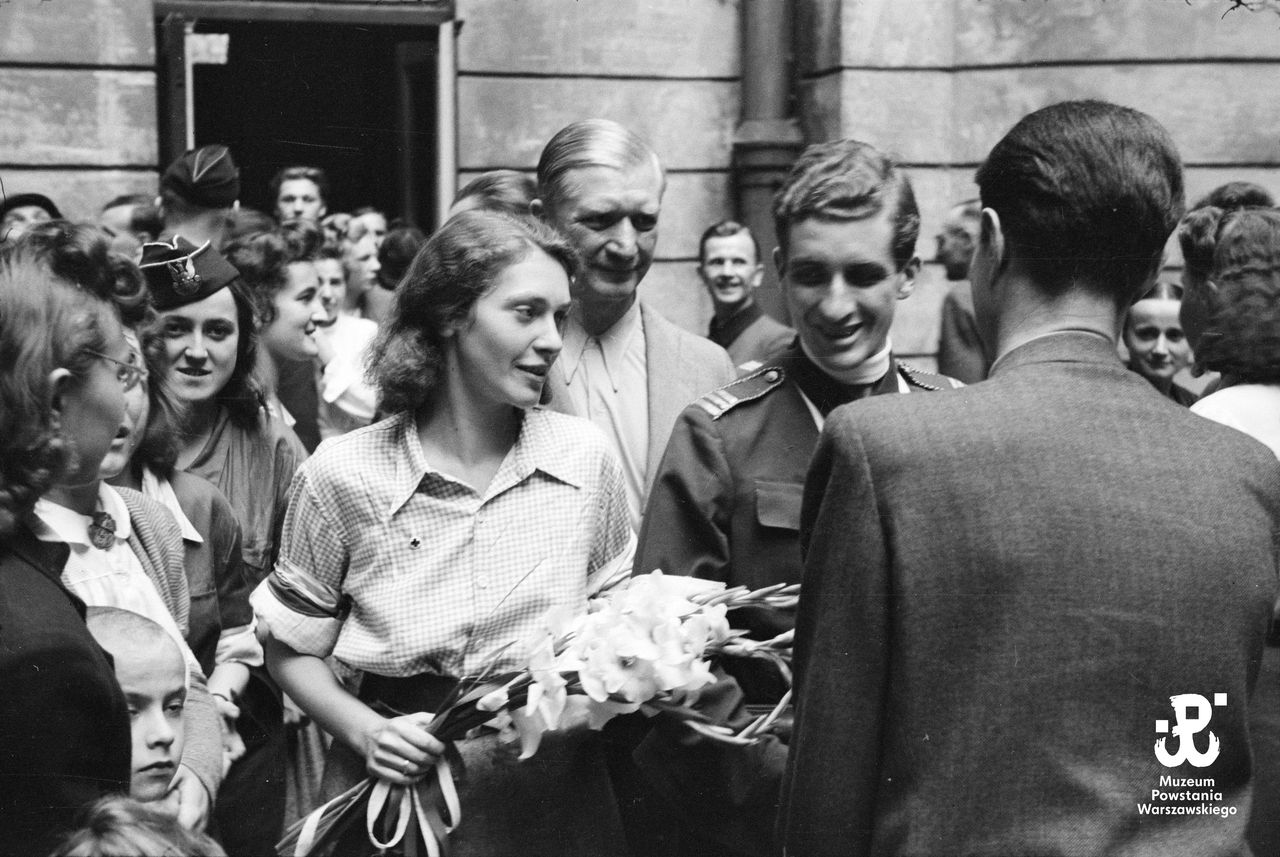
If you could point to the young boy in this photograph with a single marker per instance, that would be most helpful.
(153, 675)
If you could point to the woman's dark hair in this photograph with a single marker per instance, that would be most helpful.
(1161, 290)
(1238, 253)
(263, 260)
(81, 253)
(396, 253)
(47, 321)
(166, 415)
(456, 266)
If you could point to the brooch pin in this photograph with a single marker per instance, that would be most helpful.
(102, 530)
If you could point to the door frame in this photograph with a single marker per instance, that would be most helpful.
(176, 101)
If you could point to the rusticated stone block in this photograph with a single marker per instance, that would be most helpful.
(659, 38)
(99, 32)
(506, 121)
(73, 117)
(1216, 114)
(1022, 32)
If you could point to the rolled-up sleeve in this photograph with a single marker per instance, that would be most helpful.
(301, 602)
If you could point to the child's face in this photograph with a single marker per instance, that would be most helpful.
(154, 684)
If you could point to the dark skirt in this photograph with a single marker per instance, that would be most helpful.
(559, 802)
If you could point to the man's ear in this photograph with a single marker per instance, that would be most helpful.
(909, 273)
(757, 277)
(991, 239)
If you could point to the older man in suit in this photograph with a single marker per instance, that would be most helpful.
(624, 366)
(1004, 611)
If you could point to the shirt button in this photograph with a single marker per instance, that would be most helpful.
(771, 376)
(482, 581)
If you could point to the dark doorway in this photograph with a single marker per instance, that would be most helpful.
(357, 101)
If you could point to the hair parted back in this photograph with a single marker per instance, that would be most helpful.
(590, 143)
(1238, 252)
(455, 267)
(315, 175)
(1087, 193)
(502, 190)
(48, 320)
(1161, 290)
(848, 180)
(725, 229)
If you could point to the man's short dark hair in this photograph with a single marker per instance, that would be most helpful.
(1087, 193)
(315, 175)
(725, 229)
(848, 180)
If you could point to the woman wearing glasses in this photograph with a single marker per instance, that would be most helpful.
(122, 550)
(206, 321)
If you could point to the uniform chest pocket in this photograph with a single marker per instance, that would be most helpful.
(778, 504)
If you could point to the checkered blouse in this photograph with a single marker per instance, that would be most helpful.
(397, 569)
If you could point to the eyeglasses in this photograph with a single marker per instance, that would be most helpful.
(127, 374)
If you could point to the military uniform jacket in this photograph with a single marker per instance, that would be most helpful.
(725, 504)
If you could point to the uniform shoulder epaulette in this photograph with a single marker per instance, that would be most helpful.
(927, 380)
(720, 401)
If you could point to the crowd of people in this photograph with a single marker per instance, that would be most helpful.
(272, 484)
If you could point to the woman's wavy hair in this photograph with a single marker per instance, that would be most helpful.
(456, 266)
(1234, 259)
(118, 825)
(54, 301)
(263, 259)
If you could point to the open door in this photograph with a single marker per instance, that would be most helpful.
(356, 99)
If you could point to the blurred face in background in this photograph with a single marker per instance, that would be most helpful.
(333, 288)
(298, 311)
(299, 199)
(18, 220)
(1158, 348)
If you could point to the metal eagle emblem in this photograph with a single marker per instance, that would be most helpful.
(186, 282)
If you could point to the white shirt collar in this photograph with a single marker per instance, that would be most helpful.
(162, 492)
(66, 525)
(614, 343)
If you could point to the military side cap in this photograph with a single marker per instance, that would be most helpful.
(206, 177)
(182, 273)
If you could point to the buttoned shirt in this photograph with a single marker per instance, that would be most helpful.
(397, 568)
(112, 577)
(608, 383)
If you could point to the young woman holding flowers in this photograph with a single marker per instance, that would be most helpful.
(416, 551)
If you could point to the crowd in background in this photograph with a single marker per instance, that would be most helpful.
(271, 483)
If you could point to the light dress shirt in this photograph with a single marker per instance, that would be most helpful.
(608, 383)
(235, 645)
(397, 569)
(1251, 408)
(108, 578)
(347, 401)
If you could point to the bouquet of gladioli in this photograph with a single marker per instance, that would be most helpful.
(642, 646)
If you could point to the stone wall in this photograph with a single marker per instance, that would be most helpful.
(77, 101)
